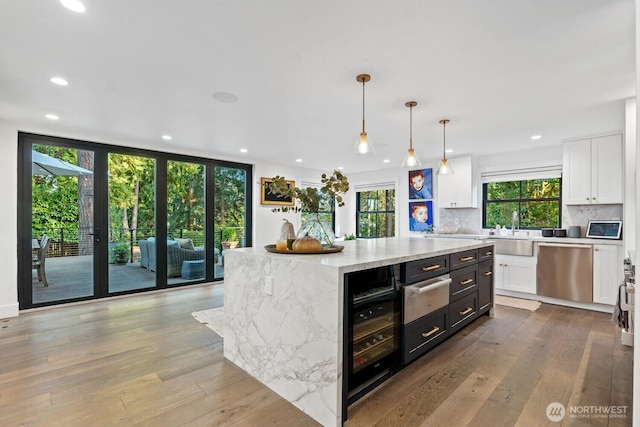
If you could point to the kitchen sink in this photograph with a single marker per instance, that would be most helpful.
(513, 246)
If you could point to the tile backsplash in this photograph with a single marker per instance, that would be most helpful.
(470, 220)
(582, 214)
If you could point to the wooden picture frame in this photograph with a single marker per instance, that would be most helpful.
(267, 198)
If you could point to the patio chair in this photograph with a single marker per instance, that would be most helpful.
(38, 259)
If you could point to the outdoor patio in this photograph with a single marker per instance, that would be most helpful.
(72, 277)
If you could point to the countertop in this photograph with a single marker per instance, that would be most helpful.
(570, 240)
(368, 253)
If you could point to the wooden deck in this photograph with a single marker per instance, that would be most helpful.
(72, 277)
(144, 360)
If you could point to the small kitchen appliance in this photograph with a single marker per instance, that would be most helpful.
(610, 229)
(575, 231)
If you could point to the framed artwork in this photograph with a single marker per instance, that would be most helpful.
(267, 198)
(421, 184)
(420, 218)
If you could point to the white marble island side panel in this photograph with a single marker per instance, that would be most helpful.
(291, 340)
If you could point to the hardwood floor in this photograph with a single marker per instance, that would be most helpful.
(144, 360)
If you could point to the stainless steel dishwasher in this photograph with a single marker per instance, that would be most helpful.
(565, 271)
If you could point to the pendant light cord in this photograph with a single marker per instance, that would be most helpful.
(363, 105)
(444, 140)
(411, 127)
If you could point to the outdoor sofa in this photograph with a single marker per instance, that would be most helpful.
(176, 255)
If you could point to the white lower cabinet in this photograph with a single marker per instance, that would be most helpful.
(607, 273)
(515, 273)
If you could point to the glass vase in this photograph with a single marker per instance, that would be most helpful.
(317, 229)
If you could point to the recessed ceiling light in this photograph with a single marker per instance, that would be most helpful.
(243, 150)
(225, 97)
(299, 160)
(167, 137)
(448, 150)
(534, 137)
(59, 81)
(73, 5)
(386, 160)
(52, 117)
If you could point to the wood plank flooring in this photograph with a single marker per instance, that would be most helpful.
(144, 361)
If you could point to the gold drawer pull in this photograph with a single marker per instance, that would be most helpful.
(466, 282)
(431, 332)
(487, 273)
(466, 258)
(431, 268)
(467, 311)
(487, 253)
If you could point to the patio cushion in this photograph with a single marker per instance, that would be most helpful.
(185, 243)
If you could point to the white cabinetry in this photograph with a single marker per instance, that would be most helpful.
(515, 273)
(457, 190)
(592, 171)
(607, 273)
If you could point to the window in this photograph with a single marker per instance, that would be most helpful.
(536, 201)
(326, 213)
(376, 213)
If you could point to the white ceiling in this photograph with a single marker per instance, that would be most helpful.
(500, 70)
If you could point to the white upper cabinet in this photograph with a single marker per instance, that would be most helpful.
(457, 190)
(592, 171)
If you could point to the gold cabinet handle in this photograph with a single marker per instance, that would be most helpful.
(431, 267)
(431, 332)
(487, 273)
(487, 253)
(466, 282)
(467, 258)
(467, 311)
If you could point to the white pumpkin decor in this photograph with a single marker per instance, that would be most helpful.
(286, 231)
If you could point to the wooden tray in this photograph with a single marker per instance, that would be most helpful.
(333, 249)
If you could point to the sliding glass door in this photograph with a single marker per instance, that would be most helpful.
(132, 218)
(62, 223)
(97, 220)
(231, 212)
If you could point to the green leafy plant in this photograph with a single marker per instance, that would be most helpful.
(119, 253)
(308, 199)
(350, 237)
(229, 235)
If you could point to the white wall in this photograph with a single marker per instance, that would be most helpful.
(346, 215)
(267, 224)
(8, 220)
(630, 188)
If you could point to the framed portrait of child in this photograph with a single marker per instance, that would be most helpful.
(420, 218)
(421, 184)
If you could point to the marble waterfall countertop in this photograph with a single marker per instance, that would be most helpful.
(368, 253)
(284, 314)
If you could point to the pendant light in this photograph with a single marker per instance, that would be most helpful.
(363, 146)
(411, 158)
(444, 169)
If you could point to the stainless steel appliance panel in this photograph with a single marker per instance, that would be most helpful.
(425, 297)
(565, 271)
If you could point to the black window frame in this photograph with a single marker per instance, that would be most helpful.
(391, 212)
(522, 200)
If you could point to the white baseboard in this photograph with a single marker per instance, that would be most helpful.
(9, 310)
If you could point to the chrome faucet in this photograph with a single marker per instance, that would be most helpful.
(514, 218)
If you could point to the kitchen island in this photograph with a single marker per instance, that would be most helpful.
(284, 314)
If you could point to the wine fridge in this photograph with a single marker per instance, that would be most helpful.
(372, 330)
